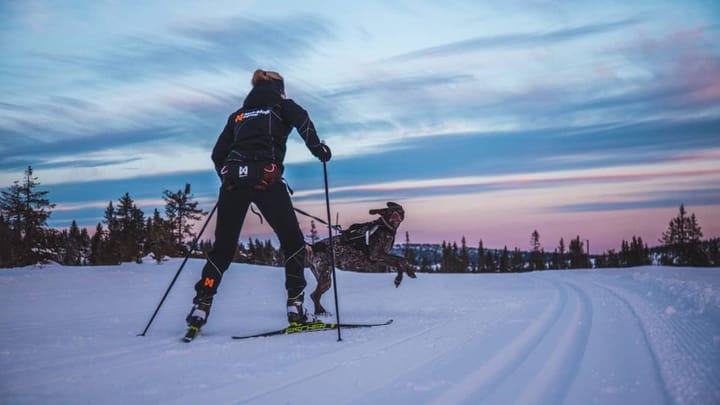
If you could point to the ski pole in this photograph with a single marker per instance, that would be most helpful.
(332, 250)
(187, 256)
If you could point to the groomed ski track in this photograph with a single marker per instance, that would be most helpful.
(644, 335)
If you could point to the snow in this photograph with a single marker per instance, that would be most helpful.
(646, 335)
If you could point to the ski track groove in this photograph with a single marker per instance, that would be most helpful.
(64, 324)
(480, 382)
(646, 339)
(552, 384)
(501, 366)
(84, 359)
(78, 365)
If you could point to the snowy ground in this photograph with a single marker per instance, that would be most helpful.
(647, 335)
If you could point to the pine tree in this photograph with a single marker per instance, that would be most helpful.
(250, 253)
(84, 246)
(425, 264)
(482, 264)
(455, 255)
(131, 231)
(260, 252)
(490, 262)
(97, 246)
(562, 260)
(241, 253)
(445, 258)
(6, 252)
(517, 261)
(713, 252)
(160, 237)
(73, 246)
(279, 256)
(578, 259)
(505, 261)
(111, 240)
(613, 259)
(409, 253)
(27, 212)
(697, 256)
(464, 259)
(537, 255)
(682, 241)
(555, 260)
(639, 252)
(181, 210)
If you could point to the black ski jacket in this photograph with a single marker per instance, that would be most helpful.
(259, 130)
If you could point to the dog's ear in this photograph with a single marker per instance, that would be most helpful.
(390, 205)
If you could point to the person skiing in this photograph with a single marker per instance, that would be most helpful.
(248, 157)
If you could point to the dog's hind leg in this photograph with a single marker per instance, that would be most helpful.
(324, 281)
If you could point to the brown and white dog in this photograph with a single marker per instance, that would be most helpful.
(362, 247)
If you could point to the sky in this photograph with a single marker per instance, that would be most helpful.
(488, 120)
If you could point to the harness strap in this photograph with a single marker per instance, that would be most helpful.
(336, 227)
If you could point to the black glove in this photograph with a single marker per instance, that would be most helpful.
(322, 152)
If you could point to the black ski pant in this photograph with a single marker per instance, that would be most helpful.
(275, 205)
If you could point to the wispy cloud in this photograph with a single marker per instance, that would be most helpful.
(528, 39)
(411, 82)
(212, 46)
(696, 197)
(52, 150)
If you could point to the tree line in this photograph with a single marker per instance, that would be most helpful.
(127, 234)
(681, 245)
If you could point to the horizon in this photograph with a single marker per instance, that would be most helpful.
(488, 121)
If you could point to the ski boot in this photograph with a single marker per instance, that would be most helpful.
(197, 317)
(296, 314)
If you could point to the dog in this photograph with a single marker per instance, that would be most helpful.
(362, 247)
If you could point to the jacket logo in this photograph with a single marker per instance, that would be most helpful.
(250, 114)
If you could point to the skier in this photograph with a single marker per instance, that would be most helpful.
(248, 157)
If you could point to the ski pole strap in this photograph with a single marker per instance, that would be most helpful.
(336, 227)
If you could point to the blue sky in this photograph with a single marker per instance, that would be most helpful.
(484, 119)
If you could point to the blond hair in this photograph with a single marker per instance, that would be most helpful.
(260, 75)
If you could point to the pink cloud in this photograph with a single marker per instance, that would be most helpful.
(695, 69)
(701, 74)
